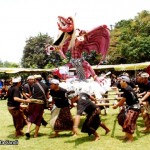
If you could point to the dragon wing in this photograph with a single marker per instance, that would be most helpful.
(97, 39)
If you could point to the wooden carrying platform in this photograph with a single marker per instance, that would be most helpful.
(37, 101)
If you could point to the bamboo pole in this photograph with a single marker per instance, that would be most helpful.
(107, 99)
(112, 94)
(104, 104)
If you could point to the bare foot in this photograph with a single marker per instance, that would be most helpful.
(130, 140)
(54, 135)
(123, 138)
(97, 138)
(107, 131)
(35, 135)
(74, 135)
(19, 133)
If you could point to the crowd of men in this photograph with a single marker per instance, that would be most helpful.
(134, 100)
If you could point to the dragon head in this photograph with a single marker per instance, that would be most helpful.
(65, 24)
(48, 49)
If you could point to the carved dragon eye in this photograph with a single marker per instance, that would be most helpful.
(69, 20)
(80, 38)
(51, 48)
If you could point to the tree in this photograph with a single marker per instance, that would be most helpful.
(34, 55)
(93, 58)
(7, 64)
(1, 63)
(130, 40)
(10, 65)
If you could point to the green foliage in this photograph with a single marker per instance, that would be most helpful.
(54, 60)
(7, 64)
(34, 55)
(1, 63)
(93, 58)
(130, 40)
(4, 76)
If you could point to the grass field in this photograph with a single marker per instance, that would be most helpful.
(66, 141)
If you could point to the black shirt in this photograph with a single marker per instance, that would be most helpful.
(27, 88)
(141, 87)
(146, 88)
(84, 104)
(130, 95)
(13, 91)
(37, 92)
(59, 97)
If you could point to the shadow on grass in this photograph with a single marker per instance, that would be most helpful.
(119, 138)
(80, 140)
(143, 134)
(64, 135)
(10, 126)
(140, 122)
(12, 135)
(40, 135)
(138, 134)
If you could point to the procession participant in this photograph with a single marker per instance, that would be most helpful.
(84, 104)
(35, 110)
(27, 88)
(92, 98)
(27, 93)
(61, 118)
(133, 109)
(3, 92)
(14, 101)
(145, 100)
(138, 81)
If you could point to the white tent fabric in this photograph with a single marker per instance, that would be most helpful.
(91, 87)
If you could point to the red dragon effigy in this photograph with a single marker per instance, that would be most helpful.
(78, 41)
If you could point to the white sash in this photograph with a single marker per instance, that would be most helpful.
(54, 116)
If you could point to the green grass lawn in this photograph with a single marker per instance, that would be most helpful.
(66, 141)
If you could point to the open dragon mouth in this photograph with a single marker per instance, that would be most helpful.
(62, 22)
